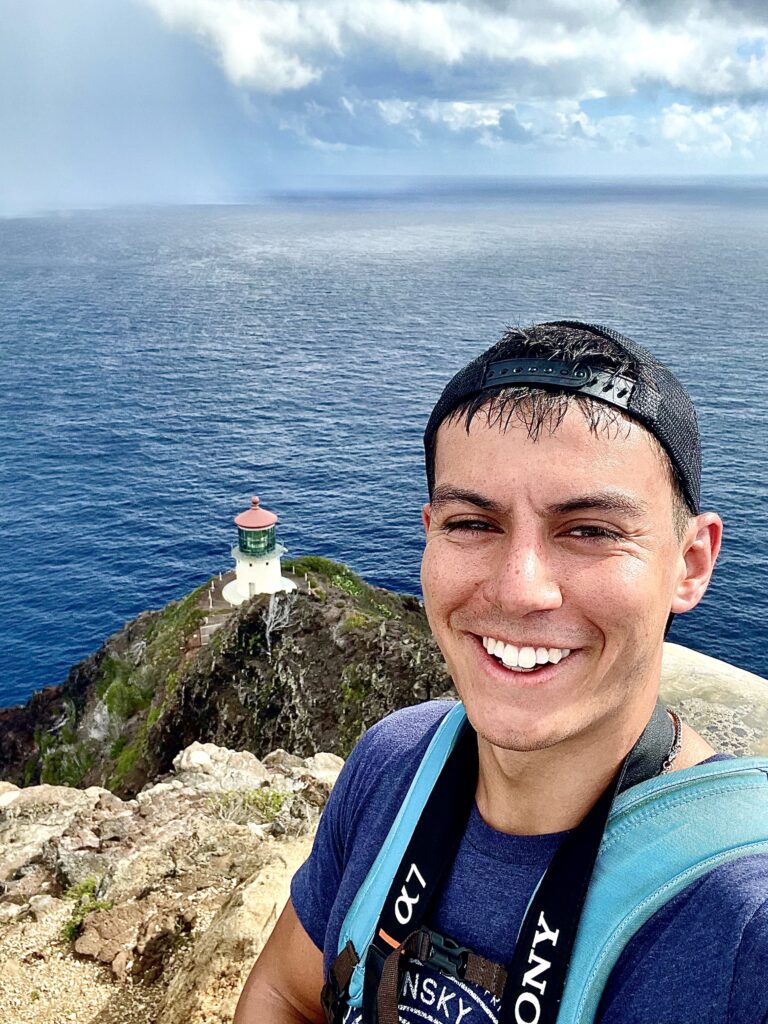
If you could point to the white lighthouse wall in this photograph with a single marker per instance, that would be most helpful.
(256, 576)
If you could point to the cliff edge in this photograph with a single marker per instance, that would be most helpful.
(306, 671)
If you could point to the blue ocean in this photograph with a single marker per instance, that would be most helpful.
(160, 366)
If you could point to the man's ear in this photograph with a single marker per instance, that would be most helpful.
(426, 516)
(700, 551)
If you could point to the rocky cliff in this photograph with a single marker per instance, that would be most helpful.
(306, 671)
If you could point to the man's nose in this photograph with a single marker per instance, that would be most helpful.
(524, 580)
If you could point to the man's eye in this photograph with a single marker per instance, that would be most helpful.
(466, 526)
(594, 533)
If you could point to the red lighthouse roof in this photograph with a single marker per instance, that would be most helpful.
(256, 517)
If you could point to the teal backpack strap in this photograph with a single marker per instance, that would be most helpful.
(360, 923)
(661, 836)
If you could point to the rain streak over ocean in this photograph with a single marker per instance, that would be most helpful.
(160, 366)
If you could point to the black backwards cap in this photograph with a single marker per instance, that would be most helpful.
(656, 399)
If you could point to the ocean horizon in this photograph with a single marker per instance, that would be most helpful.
(162, 364)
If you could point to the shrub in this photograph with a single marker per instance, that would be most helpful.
(84, 897)
(67, 765)
(125, 698)
(353, 621)
(244, 805)
(118, 746)
(113, 670)
(126, 759)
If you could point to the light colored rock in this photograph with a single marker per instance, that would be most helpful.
(208, 768)
(289, 783)
(259, 831)
(41, 906)
(325, 767)
(9, 912)
(82, 839)
(282, 759)
(97, 792)
(727, 705)
(158, 790)
(167, 864)
(7, 787)
(111, 804)
(40, 801)
(38, 816)
(72, 867)
(244, 761)
(207, 989)
(198, 757)
(142, 870)
(31, 881)
(8, 797)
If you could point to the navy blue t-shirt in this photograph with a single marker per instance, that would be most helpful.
(701, 959)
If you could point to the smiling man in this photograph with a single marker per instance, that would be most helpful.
(558, 846)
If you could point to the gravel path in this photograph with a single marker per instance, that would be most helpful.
(43, 983)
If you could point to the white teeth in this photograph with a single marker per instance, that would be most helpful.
(527, 657)
(524, 658)
(509, 657)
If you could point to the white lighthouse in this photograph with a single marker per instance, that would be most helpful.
(257, 557)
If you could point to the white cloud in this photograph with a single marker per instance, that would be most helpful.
(397, 112)
(462, 116)
(263, 45)
(719, 130)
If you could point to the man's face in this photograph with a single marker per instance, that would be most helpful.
(563, 550)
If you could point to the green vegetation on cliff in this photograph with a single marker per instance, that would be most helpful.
(370, 601)
(101, 739)
(83, 895)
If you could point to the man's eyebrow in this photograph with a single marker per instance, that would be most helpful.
(444, 494)
(603, 501)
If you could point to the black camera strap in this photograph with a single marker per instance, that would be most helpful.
(424, 868)
(535, 978)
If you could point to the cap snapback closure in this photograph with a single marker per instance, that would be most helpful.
(608, 387)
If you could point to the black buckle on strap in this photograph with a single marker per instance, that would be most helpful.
(335, 990)
(330, 1000)
(443, 953)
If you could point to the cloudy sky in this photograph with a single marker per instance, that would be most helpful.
(121, 100)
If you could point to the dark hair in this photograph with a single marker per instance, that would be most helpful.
(540, 408)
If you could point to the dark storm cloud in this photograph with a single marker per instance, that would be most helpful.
(667, 10)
